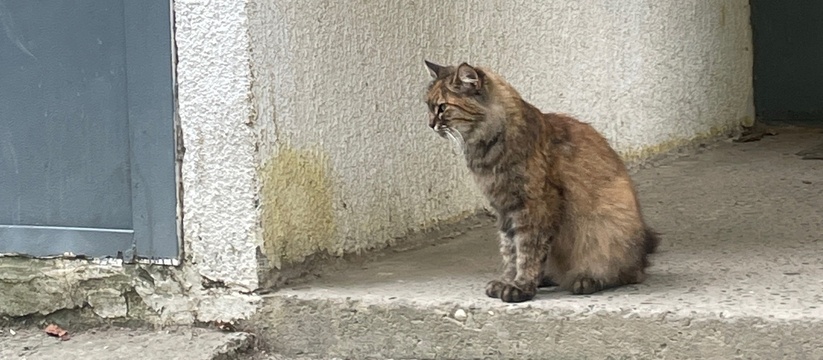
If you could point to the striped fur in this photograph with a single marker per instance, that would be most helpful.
(566, 206)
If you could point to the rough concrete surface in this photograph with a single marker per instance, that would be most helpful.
(739, 275)
(114, 293)
(125, 344)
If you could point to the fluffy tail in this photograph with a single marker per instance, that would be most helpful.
(651, 240)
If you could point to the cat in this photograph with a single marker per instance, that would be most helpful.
(566, 208)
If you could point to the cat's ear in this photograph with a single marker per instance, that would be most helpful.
(467, 79)
(435, 70)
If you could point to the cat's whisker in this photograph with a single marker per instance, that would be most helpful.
(457, 139)
(461, 140)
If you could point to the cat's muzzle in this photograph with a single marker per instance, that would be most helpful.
(441, 130)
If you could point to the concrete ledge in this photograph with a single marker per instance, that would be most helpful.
(83, 293)
(116, 343)
(356, 329)
(739, 275)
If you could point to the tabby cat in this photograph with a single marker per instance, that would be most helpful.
(566, 207)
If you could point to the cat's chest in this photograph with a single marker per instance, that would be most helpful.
(500, 191)
(491, 182)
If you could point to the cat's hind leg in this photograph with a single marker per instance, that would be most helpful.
(585, 284)
(607, 254)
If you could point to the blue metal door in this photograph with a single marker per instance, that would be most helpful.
(87, 147)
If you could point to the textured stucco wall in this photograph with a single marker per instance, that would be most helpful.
(338, 85)
(338, 90)
(220, 216)
(219, 179)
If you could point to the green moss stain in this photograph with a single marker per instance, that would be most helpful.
(634, 155)
(747, 121)
(297, 205)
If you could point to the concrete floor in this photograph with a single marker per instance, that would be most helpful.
(124, 344)
(739, 275)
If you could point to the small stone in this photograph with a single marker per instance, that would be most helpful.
(12, 332)
(491, 313)
(460, 314)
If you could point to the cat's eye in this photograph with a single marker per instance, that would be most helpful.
(441, 108)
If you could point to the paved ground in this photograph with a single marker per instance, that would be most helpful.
(122, 344)
(739, 275)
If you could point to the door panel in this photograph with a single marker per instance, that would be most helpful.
(86, 129)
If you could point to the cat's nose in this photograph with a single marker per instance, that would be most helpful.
(432, 121)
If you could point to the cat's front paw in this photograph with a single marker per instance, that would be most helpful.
(494, 288)
(510, 293)
(514, 294)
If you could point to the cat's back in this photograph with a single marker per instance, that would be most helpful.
(587, 166)
(581, 143)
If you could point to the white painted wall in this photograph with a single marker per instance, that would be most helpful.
(344, 80)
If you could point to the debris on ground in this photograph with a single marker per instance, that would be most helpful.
(225, 326)
(754, 133)
(57, 332)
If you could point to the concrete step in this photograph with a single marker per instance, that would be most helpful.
(125, 344)
(739, 275)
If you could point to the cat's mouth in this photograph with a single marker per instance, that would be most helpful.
(442, 130)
